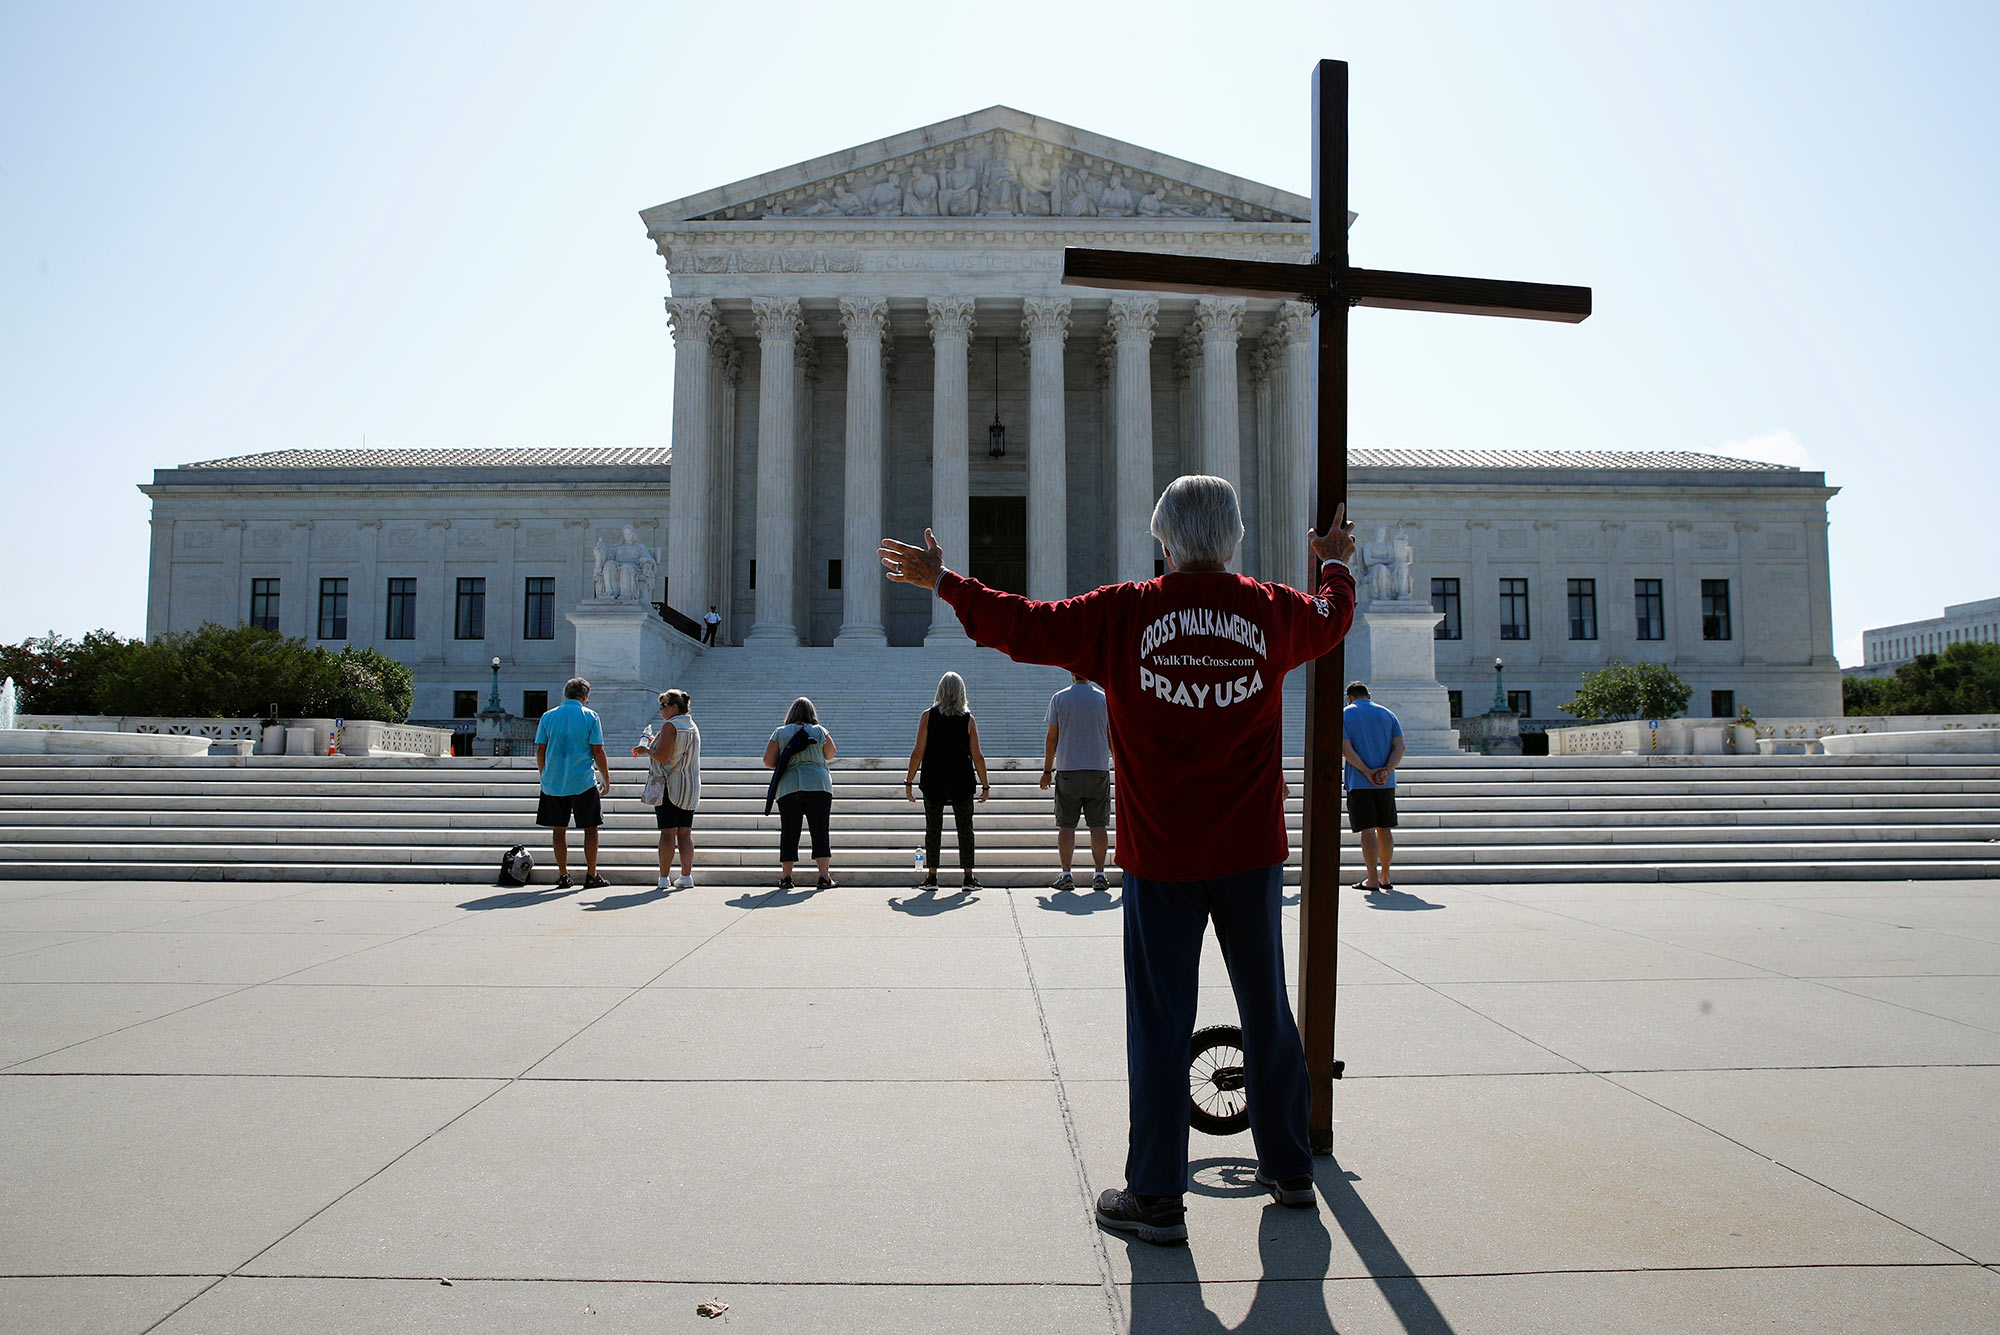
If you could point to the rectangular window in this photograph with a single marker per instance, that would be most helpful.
(1722, 704)
(833, 574)
(1159, 567)
(753, 572)
(534, 704)
(1457, 701)
(402, 622)
(470, 621)
(264, 604)
(1649, 603)
(1522, 703)
(1444, 598)
(333, 609)
(465, 704)
(1513, 609)
(538, 616)
(1715, 609)
(1583, 609)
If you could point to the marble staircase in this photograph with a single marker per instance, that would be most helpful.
(1464, 819)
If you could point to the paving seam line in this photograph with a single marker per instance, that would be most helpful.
(1113, 1300)
(427, 1137)
(1780, 1163)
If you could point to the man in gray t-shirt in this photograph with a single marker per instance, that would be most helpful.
(1077, 757)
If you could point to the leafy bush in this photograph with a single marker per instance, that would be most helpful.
(53, 675)
(1963, 679)
(362, 684)
(242, 672)
(1629, 690)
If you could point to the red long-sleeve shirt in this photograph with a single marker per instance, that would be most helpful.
(1192, 665)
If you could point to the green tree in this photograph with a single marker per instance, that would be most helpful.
(1963, 679)
(55, 675)
(362, 684)
(1629, 690)
(1864, 695)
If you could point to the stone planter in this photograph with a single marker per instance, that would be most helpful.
(274, 741)
(1743, 740)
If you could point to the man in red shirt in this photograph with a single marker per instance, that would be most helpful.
(1192, 664)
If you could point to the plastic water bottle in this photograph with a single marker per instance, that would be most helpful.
(920, 861)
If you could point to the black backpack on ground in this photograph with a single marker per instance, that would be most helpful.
(516, 866)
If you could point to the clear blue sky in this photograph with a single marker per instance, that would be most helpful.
(240, 227)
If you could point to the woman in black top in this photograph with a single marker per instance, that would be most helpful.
(947, 752)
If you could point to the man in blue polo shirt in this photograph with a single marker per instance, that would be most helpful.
(569, 751)
(1372, 741)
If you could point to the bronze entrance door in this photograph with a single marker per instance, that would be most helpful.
(999, 555)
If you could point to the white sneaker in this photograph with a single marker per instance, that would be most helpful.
(666, 883)
(683, 882)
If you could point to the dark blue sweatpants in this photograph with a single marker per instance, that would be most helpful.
(1164, 922)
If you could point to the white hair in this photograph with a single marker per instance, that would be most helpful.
(951, 695)
(1198, 520)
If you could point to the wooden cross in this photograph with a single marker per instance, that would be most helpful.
(1332, 285)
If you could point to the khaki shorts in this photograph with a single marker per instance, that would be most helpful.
(1084, 792)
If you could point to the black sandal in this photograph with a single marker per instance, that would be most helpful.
(784, 882)
(827, 883)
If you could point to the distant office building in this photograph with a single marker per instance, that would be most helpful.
(1886, 648)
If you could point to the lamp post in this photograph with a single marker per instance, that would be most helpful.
(996, 434)
(1499, 694)
(493, 718)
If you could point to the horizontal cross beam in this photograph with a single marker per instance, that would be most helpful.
(1140, 271)
(1464, 296)
(1201, 275)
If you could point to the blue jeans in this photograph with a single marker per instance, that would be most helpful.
(1164, 922)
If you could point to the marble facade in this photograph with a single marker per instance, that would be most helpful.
(843, 333)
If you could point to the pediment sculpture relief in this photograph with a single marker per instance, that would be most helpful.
(999, 176)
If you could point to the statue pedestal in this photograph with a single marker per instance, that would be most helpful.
(1494, 733)
(1393, 650)
(628, 655)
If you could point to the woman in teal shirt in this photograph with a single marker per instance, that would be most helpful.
(805, 791)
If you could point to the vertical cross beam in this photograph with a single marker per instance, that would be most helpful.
(1319, 876)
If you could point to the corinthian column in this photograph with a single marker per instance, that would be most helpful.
(863, 319)
(1045, 321)
(1218, 321)
(1132, 322)
(693, 322)
(778, 518)
(951, 409)
(1299, 430)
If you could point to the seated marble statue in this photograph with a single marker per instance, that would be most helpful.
(1383, 571)
(625, 571)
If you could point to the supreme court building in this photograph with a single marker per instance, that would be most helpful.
(877, 341)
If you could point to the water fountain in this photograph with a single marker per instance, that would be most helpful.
(18, 741)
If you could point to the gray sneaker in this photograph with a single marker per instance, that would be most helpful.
(1063, 882)
(1098, 882)
(1298, 1193)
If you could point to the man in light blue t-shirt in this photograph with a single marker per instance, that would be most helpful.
(1371, 740)
(1077, 759)
(569, 751)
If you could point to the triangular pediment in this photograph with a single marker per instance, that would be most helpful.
(993, 164)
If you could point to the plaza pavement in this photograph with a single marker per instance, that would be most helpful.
(1588, 1108)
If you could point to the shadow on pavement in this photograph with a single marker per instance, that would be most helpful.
(1295, 1251)
(519, 899)
(930, 903)
(1076, 904)
(631, 901)
(773, 899)
(1398, 900)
